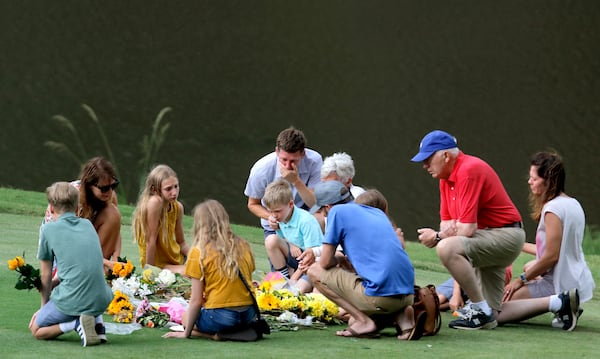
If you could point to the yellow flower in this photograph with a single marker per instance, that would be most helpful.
(20, 261)
(129, 267)
(117, 268)
(291, 304)
(147, 275)
(265, 286)
(267, 301)
(13, 264)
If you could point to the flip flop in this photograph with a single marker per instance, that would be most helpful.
(354, 334)
(416, 332)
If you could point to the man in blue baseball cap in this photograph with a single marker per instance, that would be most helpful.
(480, 230)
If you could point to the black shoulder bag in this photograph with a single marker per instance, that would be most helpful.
(260, 325)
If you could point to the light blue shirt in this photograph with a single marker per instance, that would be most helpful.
(302, 230)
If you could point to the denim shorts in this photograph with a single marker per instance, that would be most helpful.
(211, 321)
(50, 315)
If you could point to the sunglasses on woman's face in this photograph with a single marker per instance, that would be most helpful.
(108, 187)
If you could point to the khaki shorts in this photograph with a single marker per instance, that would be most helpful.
(349, 286)
(490, 252)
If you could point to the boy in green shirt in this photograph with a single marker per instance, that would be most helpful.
(82, 294)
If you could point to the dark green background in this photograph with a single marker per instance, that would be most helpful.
(366, 77)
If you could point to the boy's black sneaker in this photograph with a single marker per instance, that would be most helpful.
(473, 319)
(101, 331)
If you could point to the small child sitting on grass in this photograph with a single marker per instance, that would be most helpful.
(82, 295)
(296, 230)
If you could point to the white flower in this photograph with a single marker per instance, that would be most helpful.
(144, 291)
(129, 287)
(166, 277)
(288, 317)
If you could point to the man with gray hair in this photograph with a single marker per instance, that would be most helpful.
(480, 230)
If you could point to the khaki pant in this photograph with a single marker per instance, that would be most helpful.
(349, 286)
(490, 252)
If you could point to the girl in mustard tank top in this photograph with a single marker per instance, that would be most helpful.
(158, 221)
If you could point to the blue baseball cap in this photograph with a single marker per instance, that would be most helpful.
(432, 142)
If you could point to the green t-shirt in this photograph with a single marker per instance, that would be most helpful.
(74, 244)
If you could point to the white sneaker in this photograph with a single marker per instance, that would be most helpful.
(464, 310)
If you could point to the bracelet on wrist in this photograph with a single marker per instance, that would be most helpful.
(523, 278)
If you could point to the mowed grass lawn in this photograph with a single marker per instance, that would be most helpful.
(20, 215)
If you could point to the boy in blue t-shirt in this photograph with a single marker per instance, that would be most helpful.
(82, 294)
(296, 230)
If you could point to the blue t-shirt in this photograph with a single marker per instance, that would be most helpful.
(372, 246)
(74, 243)
(302, 230)
(266, 170)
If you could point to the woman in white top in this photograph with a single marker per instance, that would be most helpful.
(558, 280)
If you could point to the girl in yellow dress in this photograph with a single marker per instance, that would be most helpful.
(158, 221)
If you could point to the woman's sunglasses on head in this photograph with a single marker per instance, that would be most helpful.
(108, 187)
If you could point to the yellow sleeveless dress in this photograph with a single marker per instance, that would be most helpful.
(167, 251)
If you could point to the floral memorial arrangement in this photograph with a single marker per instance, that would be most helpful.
(133, 294)
(286, 309)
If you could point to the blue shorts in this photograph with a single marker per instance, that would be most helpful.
(447, 289)
(50, 315)
(268, 232)
(290, 260)
(211, 321)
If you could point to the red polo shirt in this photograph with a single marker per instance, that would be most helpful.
(474, 194)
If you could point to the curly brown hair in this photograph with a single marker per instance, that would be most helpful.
(550, 167)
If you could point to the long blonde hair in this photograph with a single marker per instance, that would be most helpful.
(152, 187)
(212, 231)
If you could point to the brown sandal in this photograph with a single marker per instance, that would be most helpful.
(416, 332)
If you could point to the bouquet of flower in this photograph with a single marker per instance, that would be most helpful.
(29, 277)
(274, 299)
(122, 269)
(164, 284)
(149, 316)
(121, 308)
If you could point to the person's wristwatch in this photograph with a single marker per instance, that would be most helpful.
(437, 238)
(523, 278)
